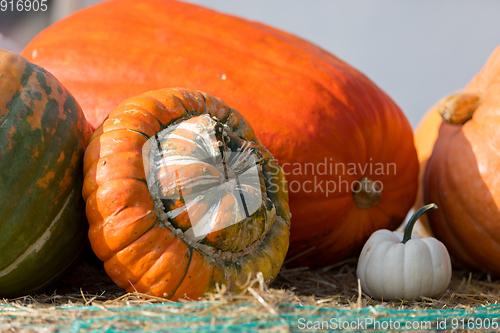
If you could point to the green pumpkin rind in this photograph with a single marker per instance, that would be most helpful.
(43, 134)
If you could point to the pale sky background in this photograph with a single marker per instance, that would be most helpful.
(417, 51)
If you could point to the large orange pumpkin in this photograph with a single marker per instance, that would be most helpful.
(332, 129)
(179, 197)
(462, 174)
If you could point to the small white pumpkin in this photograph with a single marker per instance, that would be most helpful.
(395, 266)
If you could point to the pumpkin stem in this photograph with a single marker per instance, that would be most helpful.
(414, 218)
(367, 193)
(458, 108)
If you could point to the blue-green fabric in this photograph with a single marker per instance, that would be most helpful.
(219, 317)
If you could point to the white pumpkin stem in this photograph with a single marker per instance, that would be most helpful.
(414, 218)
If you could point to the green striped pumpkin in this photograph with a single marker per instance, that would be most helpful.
(43, 134)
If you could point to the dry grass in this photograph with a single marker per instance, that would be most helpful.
(87, 300)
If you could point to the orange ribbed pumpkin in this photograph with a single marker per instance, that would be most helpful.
(462, 174)
(178, 202)
(326, 123)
